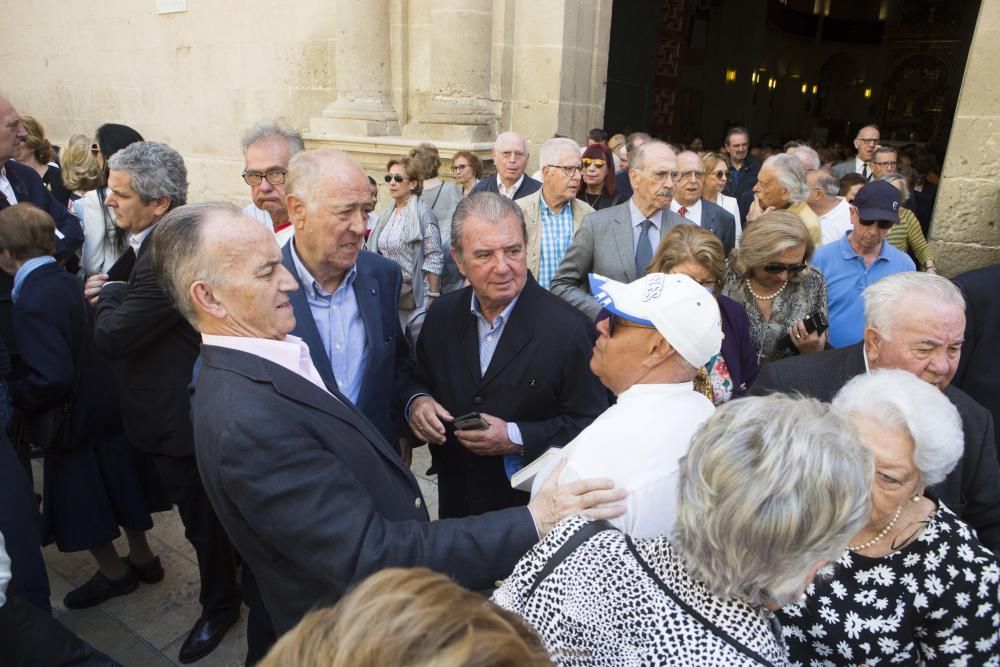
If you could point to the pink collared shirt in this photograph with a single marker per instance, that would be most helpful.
(290, 353)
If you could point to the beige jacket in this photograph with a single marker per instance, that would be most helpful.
(532, 218)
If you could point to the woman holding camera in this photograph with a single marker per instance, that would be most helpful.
(785, 298)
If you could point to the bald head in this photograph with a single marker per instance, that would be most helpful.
(12, 133)
(510, 155)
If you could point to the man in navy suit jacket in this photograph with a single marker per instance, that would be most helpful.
(510, 155)
(688, 202)
(310, 492)
(346, 307)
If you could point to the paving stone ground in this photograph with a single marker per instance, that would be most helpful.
(147, 627)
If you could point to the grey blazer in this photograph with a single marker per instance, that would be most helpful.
(841, 169)
(603, 245)
(720, 222)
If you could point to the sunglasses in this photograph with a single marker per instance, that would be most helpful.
(882, 224)
(389, 178)
(721, 174)
(775, 267)
(618, 323)
(591, 162)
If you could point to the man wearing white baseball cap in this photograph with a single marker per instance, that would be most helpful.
(655, 333)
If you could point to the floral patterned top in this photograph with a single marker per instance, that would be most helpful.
(934, 602)
(797, 301)
(721, 379)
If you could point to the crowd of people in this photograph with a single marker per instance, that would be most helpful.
(684, 406)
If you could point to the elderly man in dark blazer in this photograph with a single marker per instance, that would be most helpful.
(915, 322)
(689, 204)
(312, 495)
(503, 348)
(620, 241)
(137, 326)
(346, 307)
(979, 370)
(510, 155)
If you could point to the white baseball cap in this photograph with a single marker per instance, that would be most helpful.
(684, 312)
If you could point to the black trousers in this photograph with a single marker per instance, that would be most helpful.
(19, 525)
(31, 638)
(260, 629)
(220, 595)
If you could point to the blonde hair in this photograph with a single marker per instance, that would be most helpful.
(80, 170)
(710, 159)
(36, 141)
(767, 237)
(690, 243)
(409, 617)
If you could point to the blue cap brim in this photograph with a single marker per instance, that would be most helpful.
(607, 301)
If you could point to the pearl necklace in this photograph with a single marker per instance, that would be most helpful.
(885, 531)
(765, 298)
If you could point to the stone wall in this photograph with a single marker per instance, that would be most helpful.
(966, 230)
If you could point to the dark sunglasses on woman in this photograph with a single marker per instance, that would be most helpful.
(775, 267)
(394, 177)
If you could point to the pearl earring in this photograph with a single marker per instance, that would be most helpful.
(916, 498)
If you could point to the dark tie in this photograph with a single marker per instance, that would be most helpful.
(643, 250)
(865, 174)
(682, 211)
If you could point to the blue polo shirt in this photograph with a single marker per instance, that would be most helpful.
(846, 278)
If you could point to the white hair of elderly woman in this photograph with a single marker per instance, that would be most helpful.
(770, 486)
(897, 398)
(886, 300)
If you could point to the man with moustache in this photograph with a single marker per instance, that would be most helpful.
(267, 149)
(553, 214)
(619, 242)
(510, 156)
(689, 204)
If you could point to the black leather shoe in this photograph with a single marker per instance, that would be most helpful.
(205, 636)
(99, 589)
(148, 573)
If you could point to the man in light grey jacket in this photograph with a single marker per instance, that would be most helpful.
(620, 241)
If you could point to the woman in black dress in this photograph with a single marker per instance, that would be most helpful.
(598, 187)
(94, 481)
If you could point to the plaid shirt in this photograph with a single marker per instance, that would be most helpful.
(557, 234)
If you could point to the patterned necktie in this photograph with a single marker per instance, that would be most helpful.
(682, 211)
(644, 250)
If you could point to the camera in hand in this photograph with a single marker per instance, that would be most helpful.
(815, 323)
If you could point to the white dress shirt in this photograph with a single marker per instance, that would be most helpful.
(4, 572)
(836, 222)
(290, 353)
(6, 188)
(136, 240)
(692, 214)
(637, 443)
(511, 191)
(731, 205)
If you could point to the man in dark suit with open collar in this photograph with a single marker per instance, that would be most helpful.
(137, 326)
(312, 495)
(620, 241)
(507, 349)
(915, 322)
(346, 307)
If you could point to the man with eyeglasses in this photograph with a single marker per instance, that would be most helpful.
(510, 156)
(619, 242)
(553, 214)
(690, 205)
(884, 161)
(860, 258)
(865, 143)
(267, 149)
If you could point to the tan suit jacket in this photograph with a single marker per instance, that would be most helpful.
(533, 219)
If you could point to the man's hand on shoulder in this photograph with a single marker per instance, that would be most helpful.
(593, 498)
(493, 441)
(426, 419)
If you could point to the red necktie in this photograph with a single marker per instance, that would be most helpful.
(682, 211)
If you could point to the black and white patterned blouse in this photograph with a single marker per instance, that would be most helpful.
(935, 602)
(797, 301)
(599, 607)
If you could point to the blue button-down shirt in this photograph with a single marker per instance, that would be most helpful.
(26, 270)
(846, 278)
(557, 234)
(489, 337)
(341, 329)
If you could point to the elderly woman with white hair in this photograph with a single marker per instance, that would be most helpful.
(915, 586)
(770, 491)
(782, 185)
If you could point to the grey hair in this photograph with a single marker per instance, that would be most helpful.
(269, 129)
(736, 129)
(637, 160)
(769, 486)
(630, 143)
(893, 397)
(884, 150)
(157, 171)
(515, 135)
(308, 169)
(807, 156)
(829, 183)
(488, 206)
(790, 173)
(178, 252)
(887, 299)
(553, 148)
(895, 177)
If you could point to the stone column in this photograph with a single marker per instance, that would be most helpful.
(458, 107)
(363, 76)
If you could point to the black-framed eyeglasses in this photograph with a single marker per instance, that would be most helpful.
(389, 178)
(882, 224)
(618, 322)
(776, 267)
(568, 169)
(870, 142)
(274, 177)
(891, 165)
(459, 167)
(593, 162)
